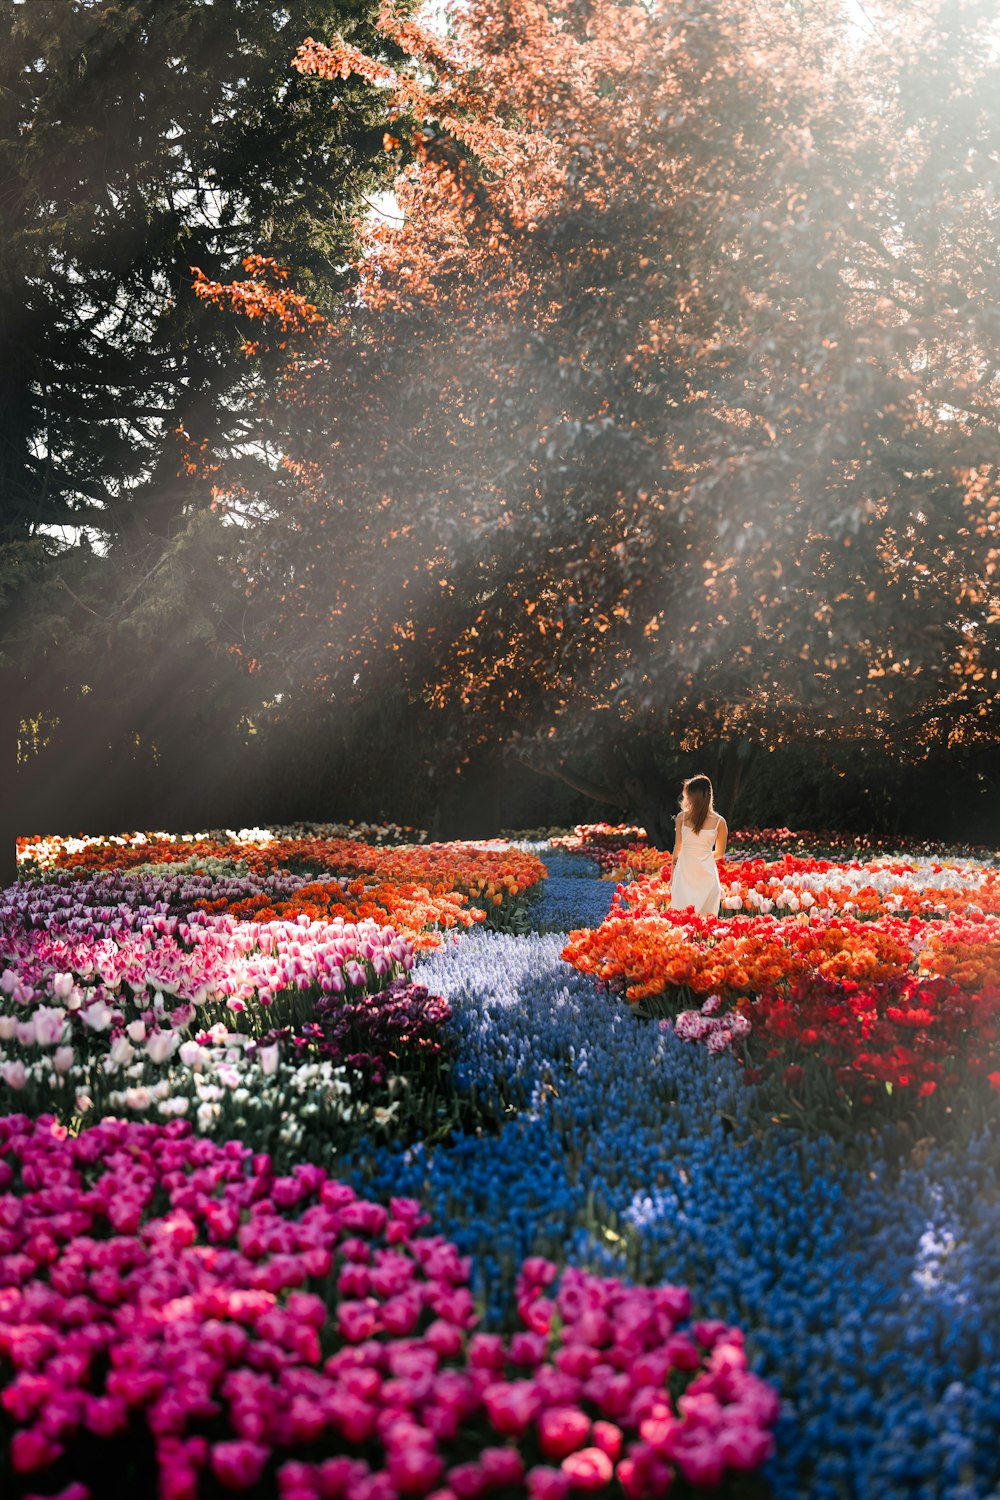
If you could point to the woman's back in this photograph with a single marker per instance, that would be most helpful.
(694, 880)
(706, 833)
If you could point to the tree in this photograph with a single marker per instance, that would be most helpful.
(135, 140)
(671, 404)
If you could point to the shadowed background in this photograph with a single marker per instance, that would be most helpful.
(658, 434)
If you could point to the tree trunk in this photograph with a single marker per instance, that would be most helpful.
(10, 798)
(649, 809)
(736, 760)
(630, 795)
(607, 797)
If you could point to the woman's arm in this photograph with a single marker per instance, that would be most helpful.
(721, 835)
(667, 870)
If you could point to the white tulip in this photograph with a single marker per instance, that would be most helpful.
(268, 1059)
(122, 1051)
(50, 1023)
(13, 1074)
(97, 1016)
(191, 1055)
(160, 1046)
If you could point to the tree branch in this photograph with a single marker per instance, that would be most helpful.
(575, 783)
(103, 619)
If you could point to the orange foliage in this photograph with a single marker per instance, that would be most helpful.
(706, 447)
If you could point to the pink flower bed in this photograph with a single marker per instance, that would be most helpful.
(223, 1327)
(201, 958)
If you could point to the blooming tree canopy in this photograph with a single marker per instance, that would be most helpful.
(668, 400)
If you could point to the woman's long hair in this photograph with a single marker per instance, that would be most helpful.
(696, 801)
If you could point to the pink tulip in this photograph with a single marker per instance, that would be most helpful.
(562, 1430)
(547, 1484)
(642, 1474)
(467, 1481)
(511, 1407)
(745, 1448)
(673, 1301)
(106, 1415)
(608, 1438)
(32, 1449)
(527, 1349)
(362, 1382)
(238, 1465)
(354, 1280)
(589, 1469)
(630, 1478)
(682, 1352)
(444, 1338)
(503, 1468)
(358, 1320)
(25, 1395)
(536, 1314)
(486, 1351)
(700, 1409)
(355, 1419)
(414, 1468)
(709, 1331)
(455, 1307)
(373, 1487)
(368, 1218)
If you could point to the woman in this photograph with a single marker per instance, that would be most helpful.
(699, 840)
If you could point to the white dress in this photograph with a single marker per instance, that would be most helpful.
(694, 880)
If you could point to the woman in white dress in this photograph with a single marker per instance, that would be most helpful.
(699, 840)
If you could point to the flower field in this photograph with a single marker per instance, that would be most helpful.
(866, 981)
(337, 1167)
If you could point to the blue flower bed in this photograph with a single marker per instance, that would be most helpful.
(870, 1295)
(573, 895)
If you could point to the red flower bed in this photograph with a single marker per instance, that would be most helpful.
(915, 1034)
(860, 1006)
